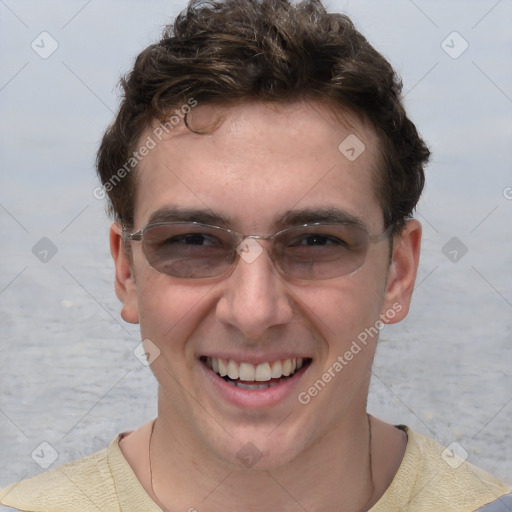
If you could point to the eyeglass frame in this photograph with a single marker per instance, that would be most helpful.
(138, 236)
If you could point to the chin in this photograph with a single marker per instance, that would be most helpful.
(261, 450)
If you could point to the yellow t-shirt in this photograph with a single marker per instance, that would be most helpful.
(424, 482)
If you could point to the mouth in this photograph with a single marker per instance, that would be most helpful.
(253, 377)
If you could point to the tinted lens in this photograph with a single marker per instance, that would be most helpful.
(322, 252)
(194, 251)
(188, 250)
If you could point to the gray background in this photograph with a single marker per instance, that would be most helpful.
(68, 376)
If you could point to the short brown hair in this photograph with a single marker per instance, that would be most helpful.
(273, 51)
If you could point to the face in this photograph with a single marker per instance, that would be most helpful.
(260, 167)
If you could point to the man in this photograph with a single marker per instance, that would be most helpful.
(262, 174)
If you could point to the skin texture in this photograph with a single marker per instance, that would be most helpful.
(261, 161)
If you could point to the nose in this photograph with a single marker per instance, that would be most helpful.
(254, 298)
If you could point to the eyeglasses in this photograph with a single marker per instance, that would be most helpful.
(191, 250)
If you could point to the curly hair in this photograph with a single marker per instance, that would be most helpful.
(272, 51)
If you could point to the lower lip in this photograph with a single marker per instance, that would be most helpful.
(254, 398)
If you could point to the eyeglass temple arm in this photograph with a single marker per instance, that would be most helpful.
(384, 234)
(134, 237)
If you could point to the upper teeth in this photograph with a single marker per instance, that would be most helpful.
(260, 372)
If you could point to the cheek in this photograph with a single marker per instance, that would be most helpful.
(346, 309)
(162, 318)
(169, 312)
(160, 308)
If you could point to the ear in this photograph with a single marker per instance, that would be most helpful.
(402, 273)
(124, 281)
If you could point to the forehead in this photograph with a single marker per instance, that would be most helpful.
(258, 162)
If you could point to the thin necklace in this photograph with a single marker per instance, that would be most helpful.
(370, 463)
(158, 502)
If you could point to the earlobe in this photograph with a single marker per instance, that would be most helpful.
(402, 272)
(124, 279)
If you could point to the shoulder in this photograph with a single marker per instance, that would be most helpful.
(82, 485)
(102, 482)
(432, 478)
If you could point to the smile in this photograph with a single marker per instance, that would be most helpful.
(250, 376)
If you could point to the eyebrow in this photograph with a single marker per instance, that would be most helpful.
(312, 215)
(287, 219)
(182, 214)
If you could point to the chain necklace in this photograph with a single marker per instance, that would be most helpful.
(370, 463)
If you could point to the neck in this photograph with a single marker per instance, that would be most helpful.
(339, 468)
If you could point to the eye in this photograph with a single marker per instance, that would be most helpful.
(194, 239)
(316, 239)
